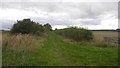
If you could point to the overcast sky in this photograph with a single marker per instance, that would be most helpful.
(94, 14)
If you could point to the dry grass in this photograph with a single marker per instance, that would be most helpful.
(100, 41)
(68, 40)
(21, 50)
(96, 42)
(71, 41)
(19, 43)
(99, 35)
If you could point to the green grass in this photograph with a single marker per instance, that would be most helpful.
(56, 52)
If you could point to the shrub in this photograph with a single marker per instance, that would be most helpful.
(26, 26)
(78, 34)
(47, 27)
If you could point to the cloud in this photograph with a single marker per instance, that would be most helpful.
(61, 13)
(60, 0)
(90, 22)
(81, 9)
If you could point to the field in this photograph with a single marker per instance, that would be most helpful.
(99, 35)
(51, 50)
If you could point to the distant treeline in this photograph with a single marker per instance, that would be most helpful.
(26, 26)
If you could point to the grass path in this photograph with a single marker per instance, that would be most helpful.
(55, 52)
(52, 52)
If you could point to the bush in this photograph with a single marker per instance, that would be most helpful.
(26, 26)
(78, 34)
(47, 27)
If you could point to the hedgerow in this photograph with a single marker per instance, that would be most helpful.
(78, 34)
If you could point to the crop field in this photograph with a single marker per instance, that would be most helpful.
(50, 49)
(99, 35)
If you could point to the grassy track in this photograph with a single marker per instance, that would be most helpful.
(52, 53)
(55, 52)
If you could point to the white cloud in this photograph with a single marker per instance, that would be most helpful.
(60, 0)
(59, 27)
(106, 24)
(60, 14)
(15, 14)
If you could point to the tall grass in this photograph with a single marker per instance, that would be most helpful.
(18, 49)
(18, 43)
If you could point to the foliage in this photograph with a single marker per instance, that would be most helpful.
(78, 34)
(47, 27)
(26, 26)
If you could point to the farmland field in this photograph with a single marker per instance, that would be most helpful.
(99, 35)
(51, 50)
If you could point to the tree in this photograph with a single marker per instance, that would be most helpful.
(26, 26)
(47, 27)
(56, 29)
